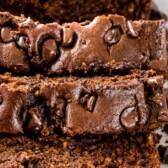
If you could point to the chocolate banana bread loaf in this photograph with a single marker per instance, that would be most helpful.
(91, 151)
(132, 103)
(76, 10)
(108, 45)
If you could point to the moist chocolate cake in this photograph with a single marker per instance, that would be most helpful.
(108, 45)
(132, 103)
(81, 121)
(91, 151)
(76, 10)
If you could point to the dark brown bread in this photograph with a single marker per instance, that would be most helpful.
(76, 10)
(104, 151)
(133, 103)
(107, 45)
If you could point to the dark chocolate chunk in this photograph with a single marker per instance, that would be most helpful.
(91, 101)
(130, 30)
(88, 100)
(35, 122)
(129, 118)
(112, 36)
(84, 98)
(23, 42)
(6, 34)
(68, 36)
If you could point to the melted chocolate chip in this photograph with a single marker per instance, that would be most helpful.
(91, 102)
(129, 118)
(67, 37)
(49, 50)
(88, 101)
(112, 36)
(84, 99)
(131, 31)
(35, 122)
(6, 34)
(23, 42)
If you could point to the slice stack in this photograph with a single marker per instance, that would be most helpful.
(104, 109)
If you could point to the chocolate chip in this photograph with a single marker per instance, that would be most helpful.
(35, 122)
(112, 36)
(129, 118)
(84, 99)
(131, 31)
(67, 37)
(23, 42)
(91, 102)
(1, 98)
(49, 50)
(6, 34)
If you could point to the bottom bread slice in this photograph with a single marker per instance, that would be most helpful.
(91, 151)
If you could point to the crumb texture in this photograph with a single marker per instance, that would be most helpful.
(90, 151)
(78, 10)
